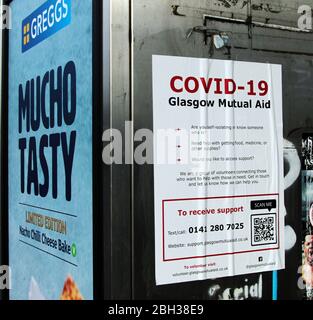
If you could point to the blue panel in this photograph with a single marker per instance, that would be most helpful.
(50, 151)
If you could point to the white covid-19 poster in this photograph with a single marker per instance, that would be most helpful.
(218, 168)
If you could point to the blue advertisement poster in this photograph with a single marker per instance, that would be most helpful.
(50, 150)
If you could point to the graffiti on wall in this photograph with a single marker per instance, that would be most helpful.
(262, 6)
(307, 214)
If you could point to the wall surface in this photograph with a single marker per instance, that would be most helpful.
(165, 28)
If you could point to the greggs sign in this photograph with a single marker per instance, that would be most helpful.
(44, 22)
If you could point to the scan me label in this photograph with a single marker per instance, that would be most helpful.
(47, 20)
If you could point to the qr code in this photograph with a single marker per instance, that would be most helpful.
(264, 229)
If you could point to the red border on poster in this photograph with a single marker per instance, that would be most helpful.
(218, 254)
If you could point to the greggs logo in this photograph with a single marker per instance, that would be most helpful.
(44, 22)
